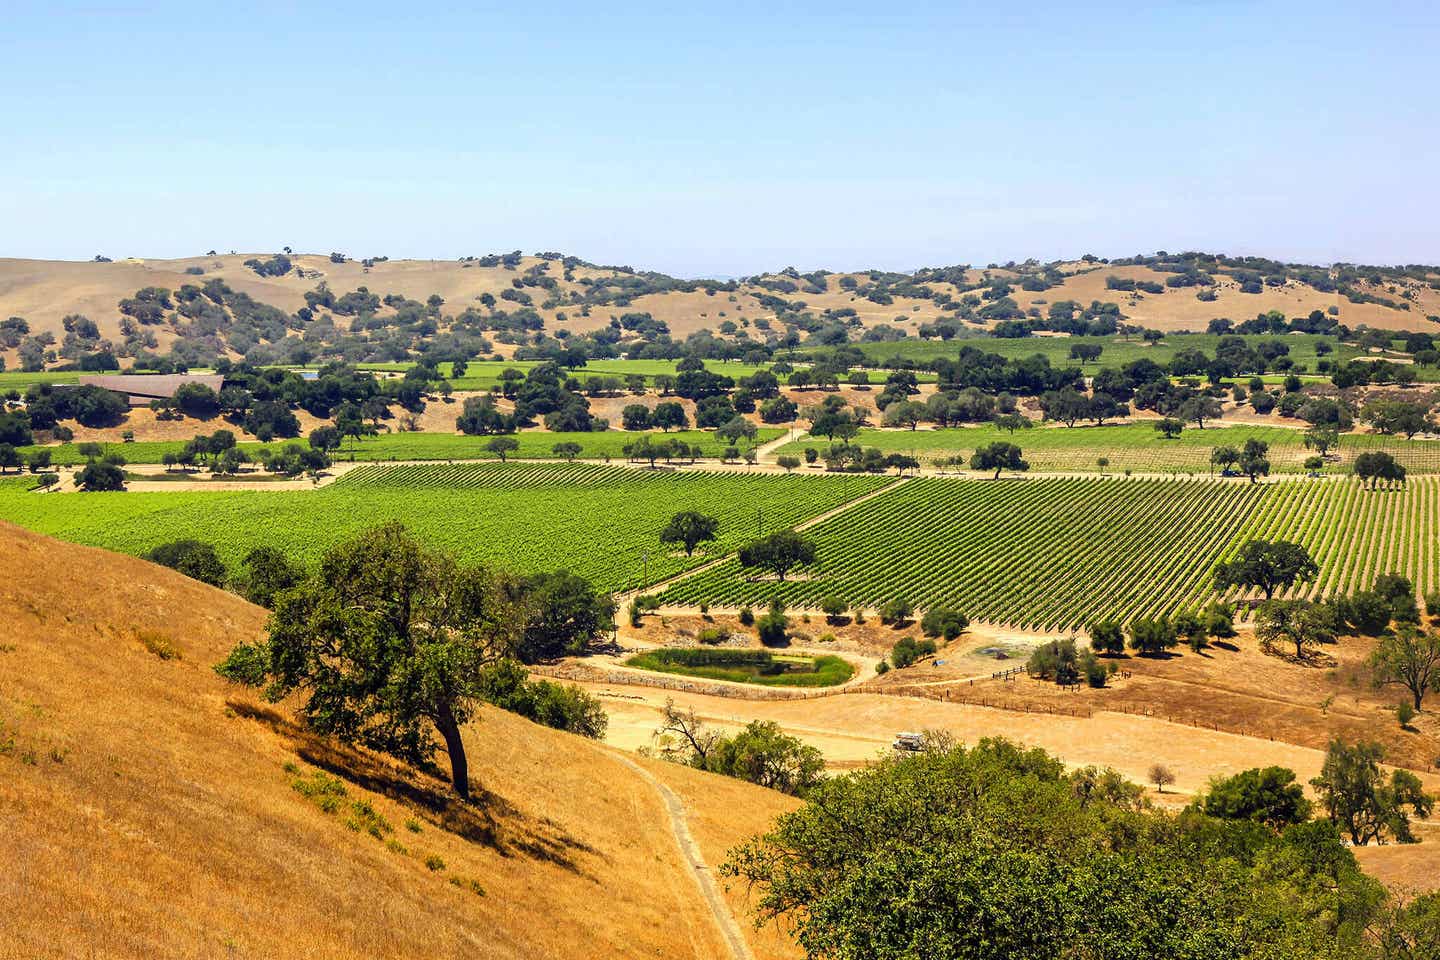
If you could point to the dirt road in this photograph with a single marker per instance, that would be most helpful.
(690, 850)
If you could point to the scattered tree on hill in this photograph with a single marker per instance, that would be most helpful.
(1357, 798)
(669, 415)
(1409, 657)
(1399, 416)
(1297, 622)
(905, 413)
(943, 622)
(563, 614)
(690, 529)
(1200, 409)
(779, 553)
(1269, 796)
(1107, 637)
(325, 439)
(1161, 776)
(479, 416)
(1056, 660)
(1152, 636)
(1268, 566)
(1010, 422)
(998, 456)
(386, 640)
(195, 559)
(787, 462)
(907, 650)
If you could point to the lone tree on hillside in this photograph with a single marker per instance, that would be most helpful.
(1267, 566)
(386, 640)
(998, 456)
(690, 529)
(1356, 797)
(778, 553)
(1409, 657)
(1161, 776)
(1201, 409)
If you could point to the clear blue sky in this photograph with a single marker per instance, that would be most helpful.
(722, 138)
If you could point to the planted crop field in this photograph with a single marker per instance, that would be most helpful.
(602, 523)
(1057, 553)
(1117, 351)
(534, 445)
(1354, 534)
(1138, 447)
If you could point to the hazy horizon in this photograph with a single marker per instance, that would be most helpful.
(701, 142)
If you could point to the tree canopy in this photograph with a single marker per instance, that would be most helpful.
(690, 529)
(1268, 566)
(996, 851)
(388, 640)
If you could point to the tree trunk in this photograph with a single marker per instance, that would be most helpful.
(455, 747)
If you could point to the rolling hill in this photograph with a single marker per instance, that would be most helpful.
(150, 809)
(570, 295)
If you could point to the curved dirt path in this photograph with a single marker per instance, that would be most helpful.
(690, 850)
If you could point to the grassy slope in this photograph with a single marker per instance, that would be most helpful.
(187, 840)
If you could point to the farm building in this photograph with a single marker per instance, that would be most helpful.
(140, 389)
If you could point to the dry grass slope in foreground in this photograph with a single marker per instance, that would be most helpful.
(147, 808)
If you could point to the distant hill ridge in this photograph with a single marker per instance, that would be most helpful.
(287, 307)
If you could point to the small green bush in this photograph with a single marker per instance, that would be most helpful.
(434, 863)
(747, 616)
(1404, 712)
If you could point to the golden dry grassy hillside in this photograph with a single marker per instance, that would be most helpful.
(45, 291)
(149, 809)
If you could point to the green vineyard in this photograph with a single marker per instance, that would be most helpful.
(1139, 448)
(1058, 553)
(600, 522)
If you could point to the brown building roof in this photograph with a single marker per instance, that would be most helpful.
(142, 388)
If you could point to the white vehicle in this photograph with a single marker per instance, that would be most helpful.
(912, 742)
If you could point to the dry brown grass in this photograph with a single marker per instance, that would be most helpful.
(148, 809)
(44, 291)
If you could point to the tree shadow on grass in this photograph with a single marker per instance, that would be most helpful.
(488, 819)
